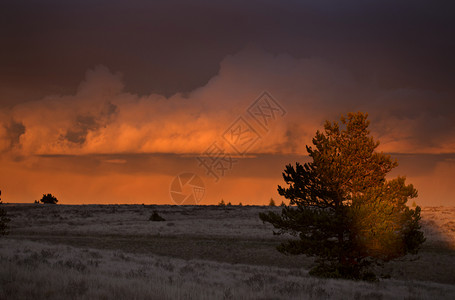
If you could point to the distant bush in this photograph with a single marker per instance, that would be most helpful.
(240, 204)
(222, 203)
(3, 219)
(272, 202)
(155, 217)
(49, 199)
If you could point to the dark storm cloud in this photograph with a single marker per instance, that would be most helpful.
(391, 58)
(175, 46)
(14, 131)
(77, 133)
(83, 125)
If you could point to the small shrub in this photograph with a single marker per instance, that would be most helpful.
(222, 203)
(272, 202)
(155, 217)
(49, 199)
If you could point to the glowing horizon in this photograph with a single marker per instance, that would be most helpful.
(112, 116)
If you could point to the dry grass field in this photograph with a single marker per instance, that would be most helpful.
(198, 252)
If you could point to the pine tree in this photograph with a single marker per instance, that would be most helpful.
(272, 202)
(342, 207)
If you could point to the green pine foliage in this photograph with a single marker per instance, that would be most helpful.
(341, 206)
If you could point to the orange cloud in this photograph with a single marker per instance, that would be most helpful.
(103, 118)
(107, 126)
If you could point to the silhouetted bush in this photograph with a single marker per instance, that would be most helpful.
(155, 217)
(49, 199)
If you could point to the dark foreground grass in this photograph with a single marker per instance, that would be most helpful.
(37, 270)
(221, 249)
(231, 235)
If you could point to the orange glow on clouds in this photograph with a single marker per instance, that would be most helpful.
(102, 119)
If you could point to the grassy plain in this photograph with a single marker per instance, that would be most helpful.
(199, 252)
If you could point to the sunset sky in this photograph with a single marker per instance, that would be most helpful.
(108, 101)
